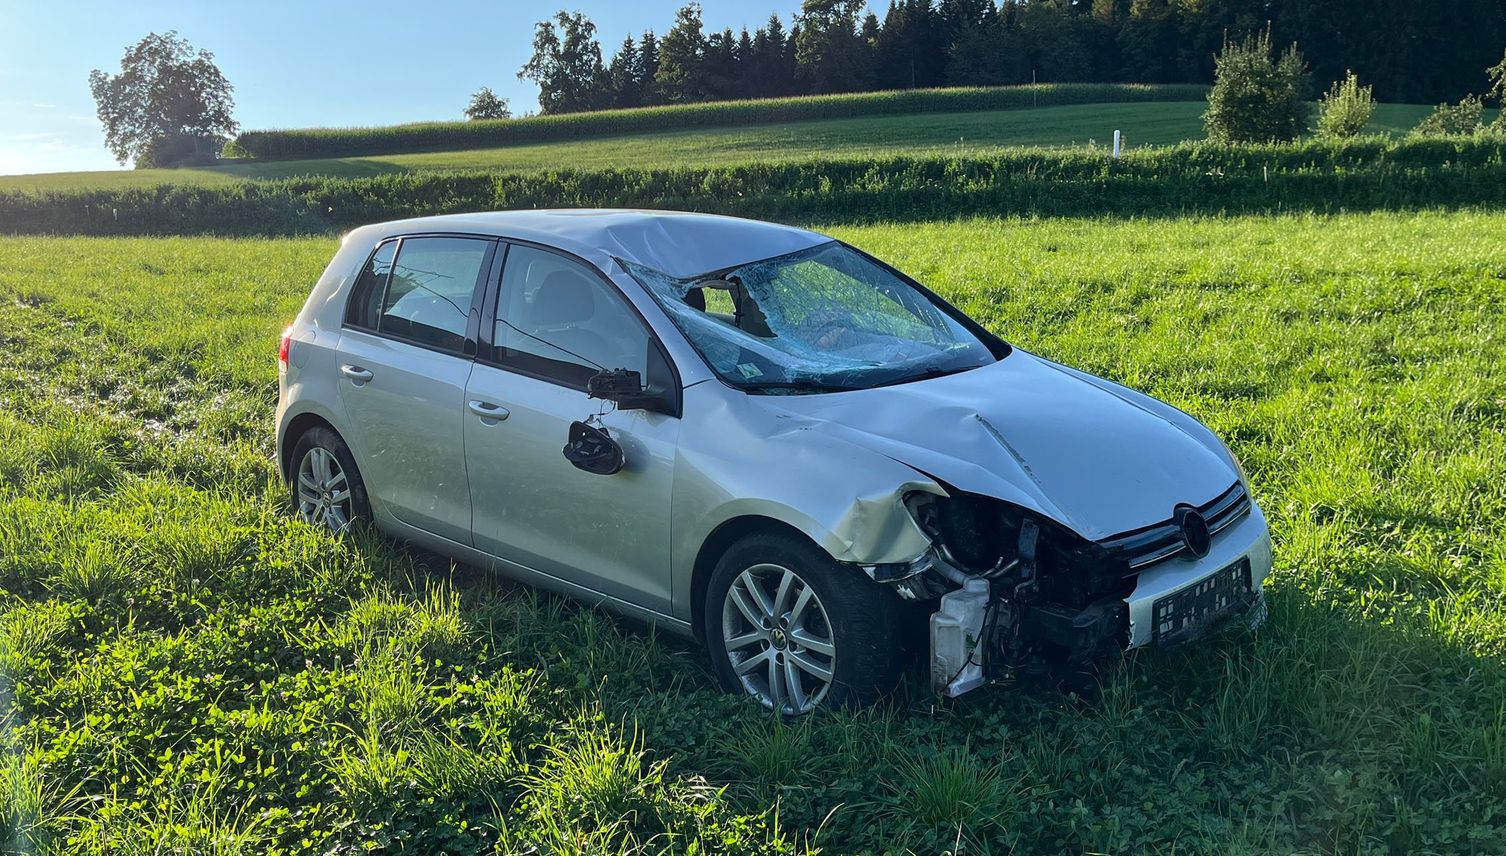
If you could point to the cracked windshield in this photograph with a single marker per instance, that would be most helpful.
(825, 319)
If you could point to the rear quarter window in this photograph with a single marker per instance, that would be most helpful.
(365, 306)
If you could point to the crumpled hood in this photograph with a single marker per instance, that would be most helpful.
(1031, 432)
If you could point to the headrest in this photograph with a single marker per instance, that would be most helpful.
(566, 297)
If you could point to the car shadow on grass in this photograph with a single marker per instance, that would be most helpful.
(1331, 727)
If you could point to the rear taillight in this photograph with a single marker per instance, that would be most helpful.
(282, 350)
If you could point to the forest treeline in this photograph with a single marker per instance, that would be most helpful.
(1410, 51)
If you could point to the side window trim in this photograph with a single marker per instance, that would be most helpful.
(491, 270)
(487, 345)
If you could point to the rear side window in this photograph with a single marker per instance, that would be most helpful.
(365, 305)
(425, 294)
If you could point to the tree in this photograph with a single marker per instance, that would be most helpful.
(830, 55)
(1497, 75)
(1148, 42)
(486, 105)
(1346, 109)
(682, 52)
(721, 70)
(648, 69)
(168, 105)
(1061, 43)
(1257, 97)
(985, 53)
(623, 85)
(957, 17)
(745, 85)
(566, 64)
(772, 65)
(908, 53)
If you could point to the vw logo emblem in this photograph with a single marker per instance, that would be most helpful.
(1195, 532)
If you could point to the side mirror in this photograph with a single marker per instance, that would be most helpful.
(593, 450)
(625, 388)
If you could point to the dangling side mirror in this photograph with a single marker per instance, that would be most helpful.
(593, 450)
(625, 388)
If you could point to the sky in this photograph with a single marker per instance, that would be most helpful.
(295, 64)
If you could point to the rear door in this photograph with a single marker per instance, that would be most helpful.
(405, 357)
(557, 322)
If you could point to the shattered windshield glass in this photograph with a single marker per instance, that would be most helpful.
(819, 320)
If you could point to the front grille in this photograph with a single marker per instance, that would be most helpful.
(1157, 543)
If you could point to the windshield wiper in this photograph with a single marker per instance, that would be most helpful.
(812, 386)
(930, 373)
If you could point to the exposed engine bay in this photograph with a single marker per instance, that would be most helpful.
(1017, 593)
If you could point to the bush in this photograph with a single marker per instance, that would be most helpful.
(1346, 109)
(180, 150)
(1203, 178)
(1452, 120)
(447, 136)
(1255, 97)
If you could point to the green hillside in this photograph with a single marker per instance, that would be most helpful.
(970, 133)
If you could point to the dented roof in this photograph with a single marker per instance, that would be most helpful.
(678, 243)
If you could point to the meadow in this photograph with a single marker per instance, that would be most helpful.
(184, 667)
(954, 134)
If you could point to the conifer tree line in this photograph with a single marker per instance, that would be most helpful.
(1409, 50)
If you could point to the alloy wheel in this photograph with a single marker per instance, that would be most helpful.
(779, 639)
(323, 490)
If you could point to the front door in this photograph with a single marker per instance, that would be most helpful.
(557, 322)
(404, 364)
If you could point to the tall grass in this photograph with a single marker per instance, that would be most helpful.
(442, 136)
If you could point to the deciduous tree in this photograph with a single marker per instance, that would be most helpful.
(486, 105)
(168, 105)
(566, 64)
(1257, 97)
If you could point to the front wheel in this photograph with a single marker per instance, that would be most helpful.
(794, 629)
(327, 487)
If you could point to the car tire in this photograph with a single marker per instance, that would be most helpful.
(815, 634)
(325, 484)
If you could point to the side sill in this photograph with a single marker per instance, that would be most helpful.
(402, 531)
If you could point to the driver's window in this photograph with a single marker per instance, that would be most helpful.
(559, 320)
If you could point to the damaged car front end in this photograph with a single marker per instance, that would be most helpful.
(1017, 593)
(1044, 517)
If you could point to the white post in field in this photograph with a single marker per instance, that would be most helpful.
(1116, 145)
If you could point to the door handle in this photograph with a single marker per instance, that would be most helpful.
(356, 373)
(487, 410)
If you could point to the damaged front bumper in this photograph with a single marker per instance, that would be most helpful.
(987, 626)
(1248, 540)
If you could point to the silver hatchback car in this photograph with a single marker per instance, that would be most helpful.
(759, 436)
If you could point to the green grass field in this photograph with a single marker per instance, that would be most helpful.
(182, 665)
(925, 133)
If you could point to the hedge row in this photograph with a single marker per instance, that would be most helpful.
(1190, 179)
(448, 136)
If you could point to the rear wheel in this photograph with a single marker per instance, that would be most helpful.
(327, 487)
(794, 629)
